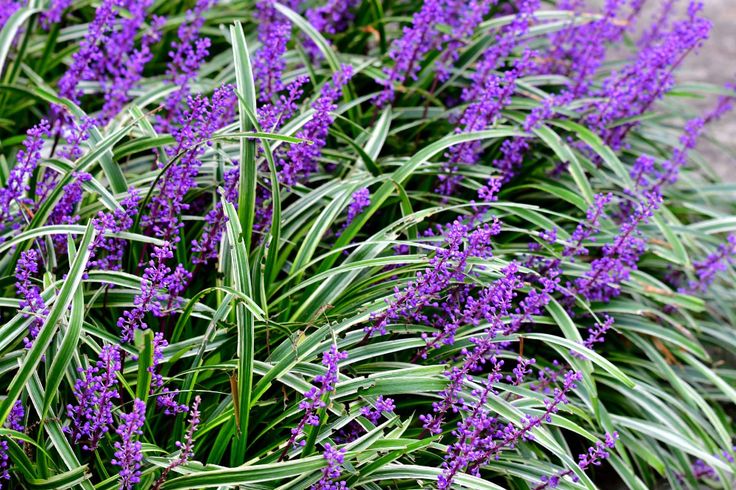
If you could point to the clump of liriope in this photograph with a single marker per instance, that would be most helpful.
(351, 245)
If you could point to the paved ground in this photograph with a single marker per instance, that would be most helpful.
(716, 63)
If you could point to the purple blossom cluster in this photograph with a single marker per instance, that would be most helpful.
(579, 50)
(95, 392)
(707, 270)
(108, 55)
(187, 54)
(128, 451)
(7, 9)
(381, 407)
(495, 305)
(160, 288)
(106, 252)
(702, 470)
(482, 112)
(186, 448)
(301, 158)
(274, 32)
(197, 125)
(632, 90)
(594, 457)
(90, 53)
(166, 398)
(335, 458)
(424, 35)
(13, 199)
(597, 333)
(123, 61)
(31, 303)
(360, 200)
(330, 18)
(409, 50)
(463, 18)
(53, 14)
(447, 266)
(507, 39)
(314, 399)
(13, 422)
(65, 210)
(206, 247)
(601, 282)
(481, 436)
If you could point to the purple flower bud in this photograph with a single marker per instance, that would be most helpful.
(382, 405)
(335, 458)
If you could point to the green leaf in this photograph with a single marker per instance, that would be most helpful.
(145, 362)
(48, 330)
(12, 26)
(246, 329)
(246, 104)
(242, 475)
(65, 354)
(596, 358)
(314, 35)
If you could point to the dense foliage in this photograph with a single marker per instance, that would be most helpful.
(345, 244)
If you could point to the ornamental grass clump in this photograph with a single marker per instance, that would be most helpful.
(345, 244)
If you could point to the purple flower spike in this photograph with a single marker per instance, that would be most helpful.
(186, 448)
(16, 416)
(314, 398)
(381, 406)
(128, 455)
(707, 270)
(166, 399)
(274, 32)
(632, 90)
(160, 287)
(106, 253)
(13, 194)
(409, 50)
(14, 422)
(449, 265)
(31, 303)
(187, 53)
(361, 199)
(95, 391)
(482, 112)
(602, 281)
(198, 123)
(91, 55)
(301, 158)
(7, 9)
(594, 457)
(330, 18)
(53, 14)
(335, 458)
(588, 227)
(597, 334)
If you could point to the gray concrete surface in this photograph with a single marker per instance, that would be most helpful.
(716, 63)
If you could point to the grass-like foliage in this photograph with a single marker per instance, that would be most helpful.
(362, 244)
